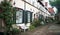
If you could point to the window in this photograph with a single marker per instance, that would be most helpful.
(19, 15)
(23, 16)
(28, 16)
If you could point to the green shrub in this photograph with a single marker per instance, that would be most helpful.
(15, 31)
(31, 28)
(36, 23)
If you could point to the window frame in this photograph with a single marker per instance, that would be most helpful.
(20, 17)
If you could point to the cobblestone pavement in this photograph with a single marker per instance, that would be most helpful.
(45, 30)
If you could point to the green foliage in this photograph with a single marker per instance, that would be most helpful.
(7, 14)
(32, 28)
(14, 30)
(36, 22)
(53, 3)
(56, 4)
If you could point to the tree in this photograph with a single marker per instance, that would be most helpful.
(56, 3)
(7, 14)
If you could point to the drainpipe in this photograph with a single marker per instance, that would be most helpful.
(24, 9)
(24, 5)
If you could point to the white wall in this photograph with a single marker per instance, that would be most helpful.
(18, 3)
(32, 9)
(35, 11)
(1, 0)
(29, 7)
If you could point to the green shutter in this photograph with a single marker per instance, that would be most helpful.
(30, 16)
(23, 17)
(26, 17)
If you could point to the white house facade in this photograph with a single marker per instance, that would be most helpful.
(28, 10)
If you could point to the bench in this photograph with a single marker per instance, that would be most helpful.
(23, 26)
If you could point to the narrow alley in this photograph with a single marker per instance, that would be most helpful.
(29, 17)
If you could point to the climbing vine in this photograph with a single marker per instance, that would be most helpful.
(6, 13)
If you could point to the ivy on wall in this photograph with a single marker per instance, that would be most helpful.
(6, 13)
